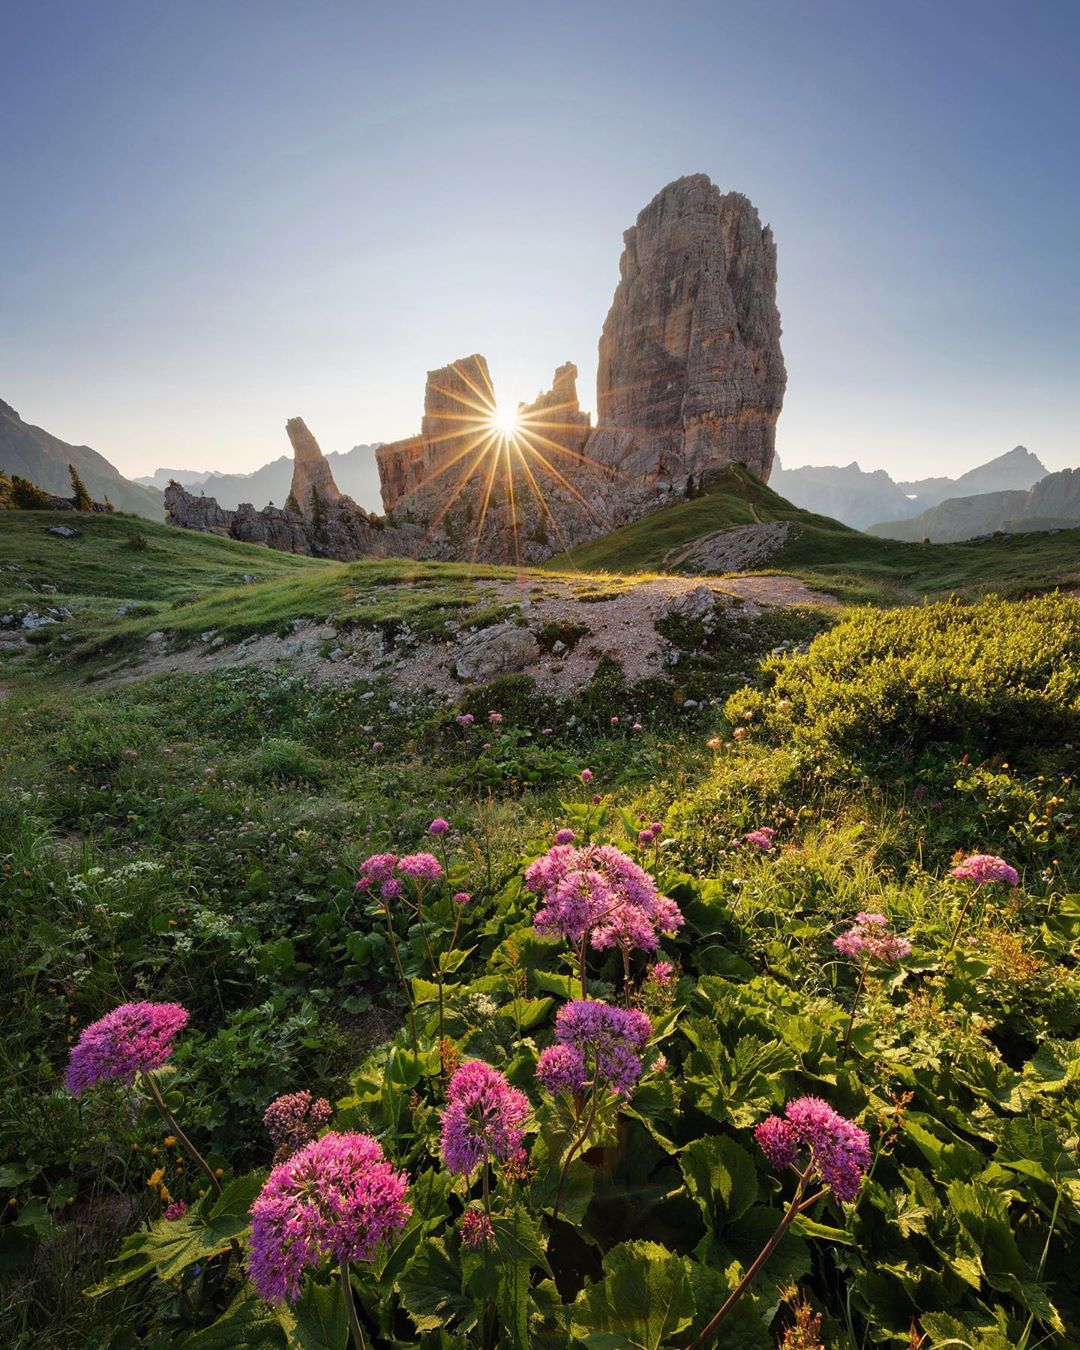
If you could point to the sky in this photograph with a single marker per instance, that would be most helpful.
(218, 216)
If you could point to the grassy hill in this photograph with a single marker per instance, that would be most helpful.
(832, 557)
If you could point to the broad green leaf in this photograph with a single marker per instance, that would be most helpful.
(502, 1271)
(430, 1289)
(721, 1177)
(644, 1298)
(318, 1320)
(246, 1324)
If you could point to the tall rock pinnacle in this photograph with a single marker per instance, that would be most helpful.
(310, 469)
(691, 375)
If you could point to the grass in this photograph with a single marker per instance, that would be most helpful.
(831, 557)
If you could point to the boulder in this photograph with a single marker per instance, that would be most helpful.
(500, 650)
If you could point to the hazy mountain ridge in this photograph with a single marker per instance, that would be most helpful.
(355, 472)
(1051, 503)
(861, 499)
(34, 453)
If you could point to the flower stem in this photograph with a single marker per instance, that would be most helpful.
(174, 1128)
(572, 1151)
(960, 921)
(401, 973)
(794, 1210)
(854, 1008)
(581, 968)
(350, 1307)
(434, 969)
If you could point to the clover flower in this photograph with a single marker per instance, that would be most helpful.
(869, 936)
(495, 718)
(812, 1135)
(476, 1230)
(761, 838)
(176, 1210)
(438, 826)
(133, 1038)
(464, 719)
(461, 897)
(586, 775)
(293, 1120)
(565, 836)
(645, 838)
(606, 1040)
(338, 1196)
(985, 867)
(599, 893)
(483, 1118)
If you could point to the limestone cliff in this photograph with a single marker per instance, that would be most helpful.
(691, 375)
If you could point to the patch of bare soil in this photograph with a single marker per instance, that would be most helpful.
(619, 623)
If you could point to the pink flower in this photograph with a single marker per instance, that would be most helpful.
(561, 1068)
(869, 936)
(438, 826)
(376, 746)
(293, 1120)
(586, 775)
(461, 897)
(465, 719)
(614, 721)
(476, 1231)
(337, 1197)
(645, 837)
(378, 868)
(565, 836)
(983, 868)
(595, 1042)
(176, 1210)
(599, 892)
(761, 838)
(483, 1118)
(495, 718)
(637, 726)
(545, 731)
(597, 799)
(133, 1038)
(661, 972)
(814, 1135)
(420, 867)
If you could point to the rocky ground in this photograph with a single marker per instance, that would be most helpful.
(615, 620)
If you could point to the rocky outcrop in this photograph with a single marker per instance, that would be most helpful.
(310, 469)
(691, 376)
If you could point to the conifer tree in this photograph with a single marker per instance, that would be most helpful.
(83, 500)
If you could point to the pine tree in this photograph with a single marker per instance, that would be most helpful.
(27, 496)
(690, 489)
(83, 500)
(291, 504)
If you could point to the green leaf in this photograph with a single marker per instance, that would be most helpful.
(430, 1289)
(644, 1298)
(317, 1321)
(502, 1272)
(246, 1324)
(721, 1176)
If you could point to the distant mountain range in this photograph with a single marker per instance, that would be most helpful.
(33, 453)
(355, 473)
(861, 499)
(1052, 503)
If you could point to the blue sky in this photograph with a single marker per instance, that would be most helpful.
(217, 216)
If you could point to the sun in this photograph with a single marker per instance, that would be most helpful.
(506, 421)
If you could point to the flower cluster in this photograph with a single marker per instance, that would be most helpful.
(657, 992)
(338, 1196)
(476, 1230)
(379, 871)
(483, 1118)
(761, 838)
(134, 1038)
(810, 1134)
(176, 1210)
(599, 893)
(983, 868)
(869, 936)
(594, 1042)
(293, 1121)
